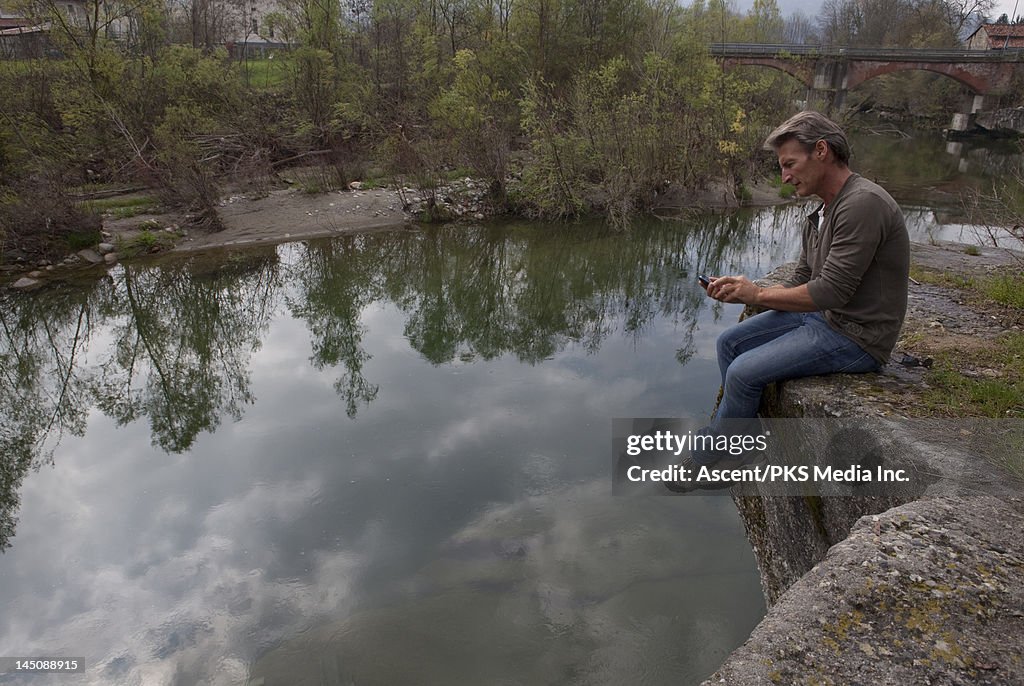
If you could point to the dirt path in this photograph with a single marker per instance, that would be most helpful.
(252, 222)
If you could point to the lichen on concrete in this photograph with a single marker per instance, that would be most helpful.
(928, 592)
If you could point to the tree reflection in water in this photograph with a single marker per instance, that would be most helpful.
(173, 342)
(174, 346)
(183, 337)
(43, 390)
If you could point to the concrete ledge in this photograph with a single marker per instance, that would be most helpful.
(929, 592)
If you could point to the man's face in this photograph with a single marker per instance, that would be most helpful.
(802, 169)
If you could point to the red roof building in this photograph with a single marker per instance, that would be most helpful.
(997, 37)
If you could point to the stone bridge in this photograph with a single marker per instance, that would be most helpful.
(830, 71)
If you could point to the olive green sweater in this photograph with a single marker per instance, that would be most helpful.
(857, 265)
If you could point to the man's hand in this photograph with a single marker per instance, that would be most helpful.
(740, 289)
(734, 289)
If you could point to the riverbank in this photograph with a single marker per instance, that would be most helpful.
(291, 214)
(921, 585)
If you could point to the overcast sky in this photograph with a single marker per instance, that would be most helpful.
(812, 7)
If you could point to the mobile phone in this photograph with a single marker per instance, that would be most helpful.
(704, 281)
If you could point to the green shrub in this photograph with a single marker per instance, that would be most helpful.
(744, 194)
(1007, 289)
(78, 240)
(146, 241)
(951, 393)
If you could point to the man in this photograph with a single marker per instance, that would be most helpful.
(843, 309)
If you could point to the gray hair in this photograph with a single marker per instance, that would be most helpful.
(807, 128)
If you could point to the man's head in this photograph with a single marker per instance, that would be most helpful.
(812, 149)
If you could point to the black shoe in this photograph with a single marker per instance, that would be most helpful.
(715, 480)
(692, 470)
(748, 460)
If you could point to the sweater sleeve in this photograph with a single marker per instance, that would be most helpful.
(802, 274)
(856, 235)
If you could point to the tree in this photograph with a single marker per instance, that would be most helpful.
(43, 387)
(478, 111)
(904, 23)
(456, 15)
(335, 284)
(765, 22)
(840, 22)
(798, 29)
(963, 16)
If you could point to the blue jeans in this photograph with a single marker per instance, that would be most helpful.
(774, 346)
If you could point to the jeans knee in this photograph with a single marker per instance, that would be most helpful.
(741, 393)
(725, 348)
(739, 382)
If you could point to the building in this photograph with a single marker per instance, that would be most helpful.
(20, 36)
(14, 16)
(997, 37)
(23, 36)
(10, 18)
(241, 25)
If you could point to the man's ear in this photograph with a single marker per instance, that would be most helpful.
(821, 150)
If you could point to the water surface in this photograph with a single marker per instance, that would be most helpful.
(383, 459)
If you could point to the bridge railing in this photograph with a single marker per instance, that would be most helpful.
(842, 52)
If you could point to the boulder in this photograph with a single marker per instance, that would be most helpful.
(25, 283)
(90, 256)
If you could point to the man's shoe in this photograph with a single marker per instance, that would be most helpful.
(748, 460)
(692, 470)
(717, 481)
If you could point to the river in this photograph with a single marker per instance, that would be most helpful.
(384, 458)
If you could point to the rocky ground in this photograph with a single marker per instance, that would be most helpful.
(931, 592)
(953, 311)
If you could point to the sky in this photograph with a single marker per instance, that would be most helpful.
(1007, 7)
(811, 7)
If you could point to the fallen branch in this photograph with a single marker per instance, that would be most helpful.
(300, 156)
(108, 193)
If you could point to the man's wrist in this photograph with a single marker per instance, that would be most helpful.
(758, 297)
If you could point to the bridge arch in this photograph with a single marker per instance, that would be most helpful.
(797, 69)
(859, 72)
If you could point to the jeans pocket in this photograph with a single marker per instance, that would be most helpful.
(861, 364)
